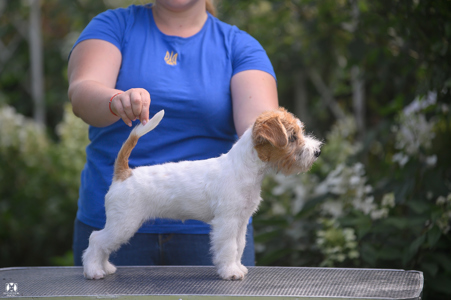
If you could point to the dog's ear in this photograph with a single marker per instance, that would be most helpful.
(270, 129)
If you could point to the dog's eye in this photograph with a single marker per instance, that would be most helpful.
(293, 138)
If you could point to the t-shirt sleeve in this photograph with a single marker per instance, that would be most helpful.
(248, 54)
(109, 26)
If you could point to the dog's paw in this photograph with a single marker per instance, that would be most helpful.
(94, 274)
(232, 272)
(109, 268)
(243, 268)
(93, 271)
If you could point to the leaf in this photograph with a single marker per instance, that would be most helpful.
(440, 284)
(396, 105)
(273, 256)
(65, 260)
(413, 249)
(442, 259)
(430, 268)
(369, 254)
(399, 223)
(283, 222)
(357, 48)
(268, 236)
(389, 253)
(362, 224)
(311, 204)
(433, 236)
(418, 206)
(364, 228)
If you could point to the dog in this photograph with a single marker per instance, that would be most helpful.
(222, 191)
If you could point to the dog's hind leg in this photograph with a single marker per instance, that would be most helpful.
(118, 230)
(94, 257)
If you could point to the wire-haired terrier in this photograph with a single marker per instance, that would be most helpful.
(223, 192)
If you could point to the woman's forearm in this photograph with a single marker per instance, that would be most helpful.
(90, 102)
(253, 92)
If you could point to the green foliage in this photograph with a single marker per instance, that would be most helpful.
(39, 182)
(62, 22)
(402, 48)
(341, 214)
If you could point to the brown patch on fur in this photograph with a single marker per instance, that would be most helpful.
(277, 138)
(122, 170)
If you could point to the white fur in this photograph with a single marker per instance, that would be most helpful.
(223, 192)
(307, 155)
(141, 130)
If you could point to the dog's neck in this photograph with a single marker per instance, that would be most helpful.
(243, 154)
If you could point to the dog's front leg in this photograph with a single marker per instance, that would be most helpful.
(224, 237)
(241, 243)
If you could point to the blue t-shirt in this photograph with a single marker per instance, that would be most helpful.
(187, 77)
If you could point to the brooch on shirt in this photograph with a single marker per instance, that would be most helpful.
(171, 59)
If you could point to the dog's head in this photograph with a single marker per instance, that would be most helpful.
(279, 140)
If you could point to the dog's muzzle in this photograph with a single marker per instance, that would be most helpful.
(317, 153)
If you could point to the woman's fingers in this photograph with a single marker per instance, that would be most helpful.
(118, 108)
(144, 115)
(135, 103)
(131, 105)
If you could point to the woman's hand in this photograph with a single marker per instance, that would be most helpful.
(131, 105)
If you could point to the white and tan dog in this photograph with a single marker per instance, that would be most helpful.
(222, 191)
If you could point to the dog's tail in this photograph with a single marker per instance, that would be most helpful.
(121, 168)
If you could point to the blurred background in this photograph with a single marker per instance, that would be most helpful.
(372, 79)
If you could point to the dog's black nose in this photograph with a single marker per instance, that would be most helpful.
(317, 153)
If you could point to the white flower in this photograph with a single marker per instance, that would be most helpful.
(400, 158)
(354, 180)
(431, 160)
(333, 208)
(285, 183)
(278, 209)
(440, 200)
(300, 198)
(321, 188)
(414, 131)
(368, 189)
(444, 221)
(349, 234)
(336, 243)
(299, 185)
(366, 206)
(379, 214)
(388, 200)
(21, 133)
(420, 103)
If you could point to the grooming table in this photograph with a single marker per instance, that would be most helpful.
(176, 282)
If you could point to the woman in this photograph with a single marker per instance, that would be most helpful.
(211, 79)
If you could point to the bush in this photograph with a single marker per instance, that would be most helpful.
(393, 211)
(39, 181)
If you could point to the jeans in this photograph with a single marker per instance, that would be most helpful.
(145, 249)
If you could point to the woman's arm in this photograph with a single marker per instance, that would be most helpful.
(253, 92)
(93, 69)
